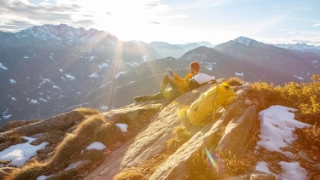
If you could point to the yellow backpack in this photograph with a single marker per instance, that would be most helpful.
(208, 102)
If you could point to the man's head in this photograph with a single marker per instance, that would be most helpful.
(194, 67)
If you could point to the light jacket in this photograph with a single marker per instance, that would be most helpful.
(182, 84)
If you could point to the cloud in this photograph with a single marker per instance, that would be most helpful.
(154, 22)
(316, 25)
(205, 4)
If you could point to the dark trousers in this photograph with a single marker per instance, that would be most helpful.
(173, 92)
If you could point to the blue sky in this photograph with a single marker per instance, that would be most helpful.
(174, 21)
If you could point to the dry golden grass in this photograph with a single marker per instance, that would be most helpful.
(87, 111)
(309, 136)
(180, 136)
(129, 175)
(147, 168)
(235, 81)
(29, 171)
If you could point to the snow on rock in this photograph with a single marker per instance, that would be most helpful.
(33, 101)
(277, 126)
(6, 117)
(298, 77)
(243, 40)
(104, 85)
(43, 177)
(122, 127)
(20, 153)
(12, 81)
(263, 167)
(41, 99)
(60, 70)
(74, 165)
(132, 63)
(119, 73)
(3, 67)
(26, 57)
(103, 65)
(55, 87)
(209, 65)
(91, 58)
(144, 58)
(70, 77)
(13, 98)
(45, 80)
(96, 145)
(239, 74)
(292, 171)
(103, 108)
(94, 75)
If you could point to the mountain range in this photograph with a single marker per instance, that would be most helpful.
(50, 69)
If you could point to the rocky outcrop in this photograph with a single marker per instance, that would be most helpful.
(175, 166)
(152, 140)
(60, 122)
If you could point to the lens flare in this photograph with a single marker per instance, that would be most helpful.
(215, 162)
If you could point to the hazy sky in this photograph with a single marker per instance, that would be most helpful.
(174, 21)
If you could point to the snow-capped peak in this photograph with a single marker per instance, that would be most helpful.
(62, 33)
(243, 40)
(299, 47)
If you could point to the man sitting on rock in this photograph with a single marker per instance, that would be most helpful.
(178, 85)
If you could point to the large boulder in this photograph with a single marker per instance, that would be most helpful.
(151, 141)
(237, 132)
(175, 166)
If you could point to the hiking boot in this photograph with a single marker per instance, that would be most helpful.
(140, 98)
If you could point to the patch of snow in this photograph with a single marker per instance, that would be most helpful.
(298, 77)
(63, 78)
(132, 63)
(144, 58)
(43, 177)
(238, 74)
(103, 108)
(91, 58)
(70, 77)
(33, 101)
(263, 167)
(13, 98)
(292, 171)
(94, 75)
(209, 65)
(74, 165)
(122, 127)
(243, 40)
(12, 81)
(105, 84)
(55, 87)
(52, 54)
(119, 73)
(26, 57)
(277, 126)
(44, 80)
(96, 145)
(20, 153)
(60, 70)
(3, 67)
(6, 117)
(51, 57)
(41, 99)
(78, 92)
(103, 65)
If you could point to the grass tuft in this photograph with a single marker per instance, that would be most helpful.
(129, 175)
(235, 81)
(308, 136)
(29, 171)
(87, 111)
